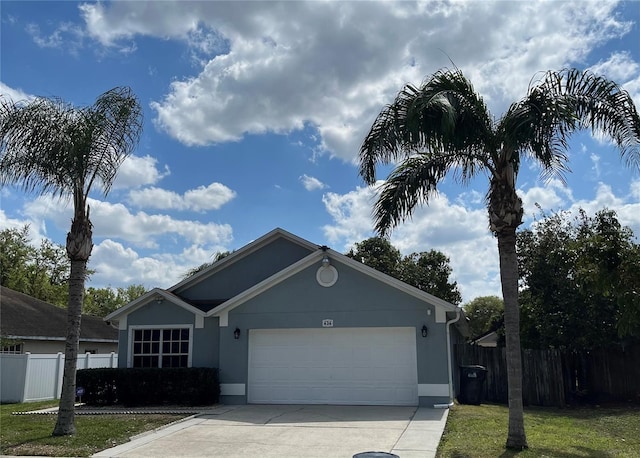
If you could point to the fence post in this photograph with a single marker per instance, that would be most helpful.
(26, 376)
(59, 369)
(112, 359)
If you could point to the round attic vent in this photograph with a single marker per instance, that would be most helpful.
(327, 276)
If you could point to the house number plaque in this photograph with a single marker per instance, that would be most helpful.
(327, 323)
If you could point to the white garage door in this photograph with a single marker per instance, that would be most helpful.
(369, 366)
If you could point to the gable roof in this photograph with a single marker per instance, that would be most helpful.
(203, 308)
(240, 254)
(155, 294)
(26, 317)
(220, 308)
(316, 257)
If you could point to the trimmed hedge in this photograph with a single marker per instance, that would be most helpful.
(131, 387)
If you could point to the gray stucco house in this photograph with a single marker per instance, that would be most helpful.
(289, 322)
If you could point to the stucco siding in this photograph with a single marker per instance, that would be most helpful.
(246, 272)
(205, 344)
(356, 300)
(160, 313)
(205, 340)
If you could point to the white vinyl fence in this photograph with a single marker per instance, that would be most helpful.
(38, 377)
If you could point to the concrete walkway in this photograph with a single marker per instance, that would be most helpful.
(294, 431)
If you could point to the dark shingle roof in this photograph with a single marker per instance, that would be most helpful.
(25, 316)
(205, 305)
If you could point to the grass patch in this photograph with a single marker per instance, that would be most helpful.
(31, 434)
(602, 432)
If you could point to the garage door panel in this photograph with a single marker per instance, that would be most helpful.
(333, 366)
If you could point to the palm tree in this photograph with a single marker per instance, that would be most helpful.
(444, 127)
(48, 146)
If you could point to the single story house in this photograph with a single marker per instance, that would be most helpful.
(35, 326)
(289, 322)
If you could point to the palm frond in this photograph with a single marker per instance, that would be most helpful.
(563, 102)
(412, 183)
(47, 145)
(444, 114)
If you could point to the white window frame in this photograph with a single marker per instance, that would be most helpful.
(161, 328)
(12, 349)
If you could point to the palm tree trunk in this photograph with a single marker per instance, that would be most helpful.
(65, 425)
(516, 438)
(79, 246)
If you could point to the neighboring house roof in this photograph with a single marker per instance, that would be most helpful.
(489, 339)
(25, 317)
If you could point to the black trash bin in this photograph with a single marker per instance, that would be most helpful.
(471, 384)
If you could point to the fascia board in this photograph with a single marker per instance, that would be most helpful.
(267, 283)
(148, 297)
(241, 253)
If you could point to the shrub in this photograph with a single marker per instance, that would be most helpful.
(150, 386)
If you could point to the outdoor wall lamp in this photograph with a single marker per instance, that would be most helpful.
(424, 330)
(325, 261)
(236, 334)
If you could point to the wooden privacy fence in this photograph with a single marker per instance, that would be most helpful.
(559, 377)
(38, 377)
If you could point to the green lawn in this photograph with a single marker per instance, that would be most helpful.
(31, 434)
(599, 432)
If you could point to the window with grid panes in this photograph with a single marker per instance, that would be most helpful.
(161, 347)
(15, 349)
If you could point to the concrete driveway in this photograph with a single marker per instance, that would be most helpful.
(294, 431)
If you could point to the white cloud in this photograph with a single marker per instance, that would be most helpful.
(626, 207)
(459, 232)
(337, 75)
(36, 228)
(624, 70)
(462, 232)
(137, 171)
(16, 95)
(211, 197)
(65, 35)
(115, 264)
(311, 183)
(619, 67)
(552, 196)
(203, 198)
(351, 213)
(142, 229)
(635, 190)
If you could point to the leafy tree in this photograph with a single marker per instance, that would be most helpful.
(484, 313)
(102, 301)
(39, 272)
(49, 274)
(580, 281)
(377, 252)
(444, 127)
(428, 271)
(15, 255)
(48, 146)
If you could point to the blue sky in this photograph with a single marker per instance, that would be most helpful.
(255, 111)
